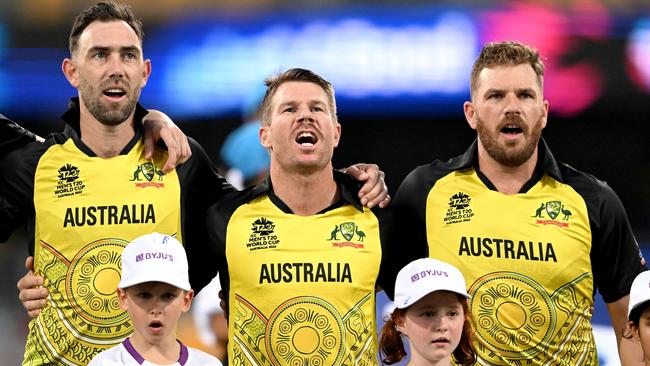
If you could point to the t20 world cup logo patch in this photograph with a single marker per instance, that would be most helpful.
(459, 210)
(262, 235)
(69, 183)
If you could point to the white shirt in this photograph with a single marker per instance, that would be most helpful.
(124, 354)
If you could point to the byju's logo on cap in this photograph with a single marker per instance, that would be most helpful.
(426, 275)
(154, 258)
(428, 272)
(158, 255)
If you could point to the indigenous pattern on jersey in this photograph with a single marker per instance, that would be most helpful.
(301, 289)
(532, 260)
(125, 354)
(83, 210)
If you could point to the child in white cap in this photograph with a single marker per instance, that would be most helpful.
(154, 289)
(638, 312)
(432, 312)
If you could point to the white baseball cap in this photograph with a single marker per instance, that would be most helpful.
(154, 257)
(640, 291)
(424, 276)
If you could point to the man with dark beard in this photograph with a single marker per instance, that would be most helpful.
(86, 192)
(532, 271)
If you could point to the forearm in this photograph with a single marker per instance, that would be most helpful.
(629, 348)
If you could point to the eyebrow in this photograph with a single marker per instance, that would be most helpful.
(108, 49)
(503, 91)
(311, 102)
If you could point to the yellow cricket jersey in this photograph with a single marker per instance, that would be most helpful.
(84, 210)
(301, 289)
(532, 260)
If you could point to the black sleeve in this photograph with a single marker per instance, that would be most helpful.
(12, 136)
(201, 186)
(216, 223)
(405, 232)
(409, 208)
(17, 190)
(615, 255)
(395, 252)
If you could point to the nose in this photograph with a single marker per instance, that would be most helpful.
(115, 67)
(305, 115)
(513, 104)
(441, 324)
(156, 307)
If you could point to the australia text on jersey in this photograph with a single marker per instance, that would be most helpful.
(110, 215)
(506, 248)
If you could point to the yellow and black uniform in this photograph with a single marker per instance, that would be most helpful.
(12, 136)
(81, 211)
(532, 260)
(301, 289)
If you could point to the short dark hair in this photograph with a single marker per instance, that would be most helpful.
(635, 314)
(507, 53)
(103, 12)
(295, 74)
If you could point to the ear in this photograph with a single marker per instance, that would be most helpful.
(545, 117)
(265, 136)
(632, 330)
(187, 300)
(399, 324)
(146, 71)
(69, 69)
(337, 134)
(122, 298)
(470, 114)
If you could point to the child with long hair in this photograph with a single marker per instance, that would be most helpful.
(432, 312)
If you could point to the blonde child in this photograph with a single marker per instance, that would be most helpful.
(432, 312)
(155, 290)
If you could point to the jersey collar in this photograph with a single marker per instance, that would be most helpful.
(546, 164)
(348, 187)
(182, 358)
(72, 128)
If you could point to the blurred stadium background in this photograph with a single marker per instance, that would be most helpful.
(400, 69)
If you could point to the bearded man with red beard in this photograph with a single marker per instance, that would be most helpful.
(534, 238)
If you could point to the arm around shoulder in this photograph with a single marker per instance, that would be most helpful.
(13, 136)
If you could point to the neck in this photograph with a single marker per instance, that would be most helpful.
(105, 141)
(166, 352)
(507, 180)
(417, 360)
(305, 193)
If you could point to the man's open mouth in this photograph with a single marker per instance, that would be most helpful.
(114, 92)
(511, 129)
(306, 138)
